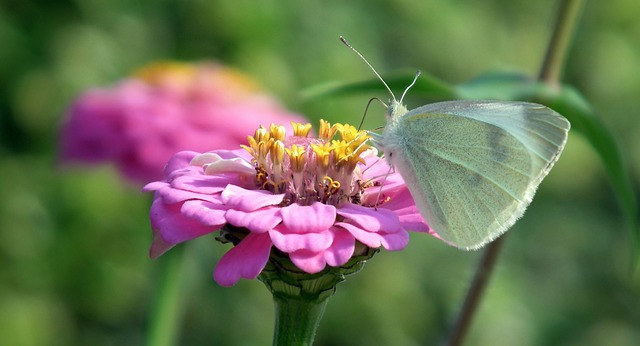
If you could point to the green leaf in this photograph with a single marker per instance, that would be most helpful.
(498, 85)
(426, 84)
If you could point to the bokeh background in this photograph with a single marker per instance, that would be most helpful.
(73, 240)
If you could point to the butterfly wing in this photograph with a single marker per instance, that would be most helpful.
(473, 167)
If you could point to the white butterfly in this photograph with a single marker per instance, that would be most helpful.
(472, 167)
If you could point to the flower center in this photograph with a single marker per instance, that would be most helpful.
(309, 169)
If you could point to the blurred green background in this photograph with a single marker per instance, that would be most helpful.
(73, 241)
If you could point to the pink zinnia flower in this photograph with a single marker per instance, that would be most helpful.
(142, 121)
(310, 198)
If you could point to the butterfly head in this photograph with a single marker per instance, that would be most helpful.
(395, 109)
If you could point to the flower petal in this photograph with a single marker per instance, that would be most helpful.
(370, 239)
(342, 248)
(174, 227)
(309, 261)
(159, 246)
(249, 200)
(259, 221)
(313, 218)
(245, 260)
(390, 241)
(213, 163)
(205, 158)
(204, 184)
(179, 161)
(171, 195)
(370, 219)
(410, 218)
(287, 241)
(395, 241)
(154, 186)
(239, 166)
(207, 213)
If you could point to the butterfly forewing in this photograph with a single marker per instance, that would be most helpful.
(473, 167)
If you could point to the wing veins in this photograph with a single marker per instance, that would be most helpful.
(493, 181)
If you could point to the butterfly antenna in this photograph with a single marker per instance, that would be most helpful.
(367, 109)
(371, 67)
(410, 85)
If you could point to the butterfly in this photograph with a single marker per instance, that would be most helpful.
(472, 167)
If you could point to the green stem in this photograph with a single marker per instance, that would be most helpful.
(300, 298)
(474, 295)
(566, 20)
(168, 307)
(297, 320)
(550, 71)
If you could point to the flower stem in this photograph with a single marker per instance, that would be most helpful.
(167, 309)
(474, 295)
(300, 298)
(550, 71)
(297, 320)
(554, 59)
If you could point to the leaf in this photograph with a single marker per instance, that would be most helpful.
(498, 85)
(425, 84)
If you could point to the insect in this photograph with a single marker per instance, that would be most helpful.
(472, 167)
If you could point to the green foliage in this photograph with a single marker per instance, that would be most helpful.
(74, 240)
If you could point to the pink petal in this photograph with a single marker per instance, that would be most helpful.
(370, 239)
(245, 260)
(410, 219)
(170, 195)
(371, 219)
(174, 227)
(415, 223)
(156, 185)
(309, 261)
(400, 199)
(249, 200)
(314, 218)
(159, 246)
(207, 213)
(395, 241)
(390, 241)
(204, 184)
(180, 172)
(259, 221)
(289, 242)
(342, 248)
(178, 161)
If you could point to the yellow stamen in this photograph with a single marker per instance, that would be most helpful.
(297, 158)
(348, 132)
(277, 132)
(326, 131)
(277, 152)
(301, 130)
(261, 134)
(322, 153)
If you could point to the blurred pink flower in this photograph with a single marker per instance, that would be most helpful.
(142, 121)
(311, 198)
